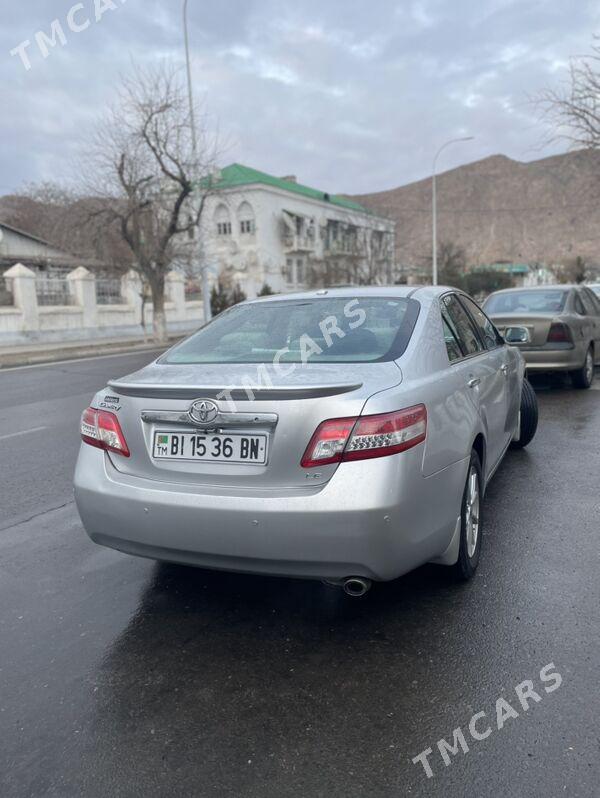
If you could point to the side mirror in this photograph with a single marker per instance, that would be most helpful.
(516, 335)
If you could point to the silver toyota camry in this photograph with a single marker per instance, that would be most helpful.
(346, 435)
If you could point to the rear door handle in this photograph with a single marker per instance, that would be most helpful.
(474, 382)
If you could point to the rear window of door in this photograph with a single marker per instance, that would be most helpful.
(452, 345)
(462, 326)
(489, 334)
(578, 305)
(588, 303)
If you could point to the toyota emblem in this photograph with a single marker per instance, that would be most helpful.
(203, 411)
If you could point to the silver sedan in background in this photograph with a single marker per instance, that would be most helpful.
(556, 328)
(346, 435)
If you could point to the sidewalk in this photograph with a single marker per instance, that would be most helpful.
(31, 354)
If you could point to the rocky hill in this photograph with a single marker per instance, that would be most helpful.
(545, 211)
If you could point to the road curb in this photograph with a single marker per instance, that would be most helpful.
(32, 357)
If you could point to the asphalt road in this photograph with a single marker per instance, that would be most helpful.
(121, 677)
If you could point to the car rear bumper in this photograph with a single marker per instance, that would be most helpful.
(545, 359)
(375, 518)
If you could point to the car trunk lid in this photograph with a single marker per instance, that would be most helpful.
(283, 410)
(536, 324)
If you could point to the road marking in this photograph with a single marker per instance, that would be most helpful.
(50, 363)
(23, 432)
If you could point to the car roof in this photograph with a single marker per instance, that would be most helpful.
(352, 292)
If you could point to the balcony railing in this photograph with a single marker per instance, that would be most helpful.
(304, 242)
(345, 247)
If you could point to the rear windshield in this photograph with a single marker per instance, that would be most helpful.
(544, 300)
(328, 330)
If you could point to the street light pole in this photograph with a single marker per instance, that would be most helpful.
(196, 241)
(434, 201)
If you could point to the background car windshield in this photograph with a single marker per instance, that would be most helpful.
(331, 330)
(542, 301)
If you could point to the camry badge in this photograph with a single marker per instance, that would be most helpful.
(203, 411)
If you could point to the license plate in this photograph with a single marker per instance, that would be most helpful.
(213, 447)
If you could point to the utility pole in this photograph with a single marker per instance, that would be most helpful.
(196, 241)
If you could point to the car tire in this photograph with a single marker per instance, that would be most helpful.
(470, 522)
(584, 377)
(529, 417)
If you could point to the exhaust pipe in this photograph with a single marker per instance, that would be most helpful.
(356, 586)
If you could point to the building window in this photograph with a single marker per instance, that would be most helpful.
(246, 219)
(224, 228)
(288, 272)
(223, 221)
(295, 271)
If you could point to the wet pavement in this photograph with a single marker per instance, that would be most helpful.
(121, 677)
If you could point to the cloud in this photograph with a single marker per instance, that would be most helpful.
(351, 96)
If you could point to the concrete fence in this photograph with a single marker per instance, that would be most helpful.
(35, 316)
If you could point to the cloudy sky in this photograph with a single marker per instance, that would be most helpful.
(350, 95)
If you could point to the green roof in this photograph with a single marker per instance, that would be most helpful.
(508, 268)
(238, 175)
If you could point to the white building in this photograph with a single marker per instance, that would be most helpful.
(258, 229)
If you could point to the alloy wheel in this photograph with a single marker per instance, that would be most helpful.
(589, 366)
(472, 512)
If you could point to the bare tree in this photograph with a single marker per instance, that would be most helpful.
(142, 170)
(452, 263)
(573, 110)
(573, 270)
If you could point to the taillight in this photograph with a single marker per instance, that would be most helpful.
(328, 442)
(364, 437)
(102, 429)
(559, 333)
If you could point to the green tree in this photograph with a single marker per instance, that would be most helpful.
(222, 298)
(237, 295)
(218, 298)
(484, 281)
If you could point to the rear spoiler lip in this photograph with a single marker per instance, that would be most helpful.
(235, 393)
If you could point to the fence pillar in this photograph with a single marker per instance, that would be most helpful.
(22, 284)
(131, 289)
(175, 285)
(83, 288)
